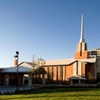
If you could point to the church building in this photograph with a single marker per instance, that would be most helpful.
(83, 68)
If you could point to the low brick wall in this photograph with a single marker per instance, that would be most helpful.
(83, 85)
(39, 86)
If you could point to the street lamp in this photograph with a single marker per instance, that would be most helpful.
(17, 57)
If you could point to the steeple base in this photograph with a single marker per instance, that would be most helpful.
(83, 55)
(81, 52)
(82, 46)
(82, 40)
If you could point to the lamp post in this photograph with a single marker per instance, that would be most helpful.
(17, 57)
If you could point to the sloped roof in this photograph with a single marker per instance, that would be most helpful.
(24, 69)
(69, 61)
(60, 62)
(21, 69)
(27, 64)
(90, 60)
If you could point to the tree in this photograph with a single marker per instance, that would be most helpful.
(37, 68)
(90, 76)
(37, 63)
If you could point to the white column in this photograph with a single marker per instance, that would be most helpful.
(74, 69)
(29, 80)
(7, 80)
(43, 79)
(79, 68)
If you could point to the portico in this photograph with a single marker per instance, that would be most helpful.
(25, 76)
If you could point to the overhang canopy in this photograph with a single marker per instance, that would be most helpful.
(21, 69)
(90, 60)
(24, 69)
(76, 78)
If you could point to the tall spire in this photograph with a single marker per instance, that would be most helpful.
(82, 29)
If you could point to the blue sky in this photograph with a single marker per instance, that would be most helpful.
(46, 28)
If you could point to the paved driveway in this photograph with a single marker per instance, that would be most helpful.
(12, 89)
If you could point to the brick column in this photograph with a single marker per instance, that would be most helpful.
(29, 80)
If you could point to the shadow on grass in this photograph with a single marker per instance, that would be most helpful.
(45, 97)
(53, 94)
(58, 90)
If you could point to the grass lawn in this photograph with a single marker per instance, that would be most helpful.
(56, 94)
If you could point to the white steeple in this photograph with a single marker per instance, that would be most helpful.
(82, 29)
(82, 46)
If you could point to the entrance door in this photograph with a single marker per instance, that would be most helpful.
(12, 81)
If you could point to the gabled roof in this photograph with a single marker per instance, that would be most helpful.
(24, 63)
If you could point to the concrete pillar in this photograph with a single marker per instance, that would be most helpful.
(79, 81)
(7, 79)
(29, 80)
(43, 79)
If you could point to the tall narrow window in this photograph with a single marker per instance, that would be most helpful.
(48, 75)
(85, 47)
(57, 74)
(61, 71)
(65, 71)
(77, 68)
(52, 74)
(80, 49)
